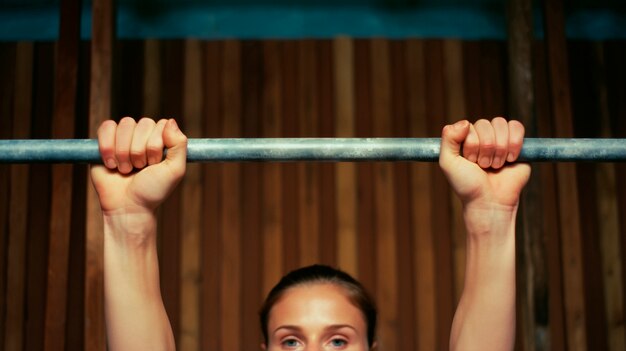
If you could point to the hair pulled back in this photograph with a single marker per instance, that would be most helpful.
(316, 274)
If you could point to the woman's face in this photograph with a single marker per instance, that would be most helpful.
(316, 317)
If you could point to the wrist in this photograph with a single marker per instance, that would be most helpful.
(130, 228)
(489, 221)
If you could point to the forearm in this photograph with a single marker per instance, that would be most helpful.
(485, 317)
(135, 315)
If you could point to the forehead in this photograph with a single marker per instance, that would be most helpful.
(315, 306)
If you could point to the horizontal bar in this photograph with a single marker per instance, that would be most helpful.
(313, 149)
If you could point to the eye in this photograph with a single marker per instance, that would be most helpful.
(338, 343)
(290, 344)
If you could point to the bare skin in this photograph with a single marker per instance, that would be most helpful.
(135, 180)
(316, 317)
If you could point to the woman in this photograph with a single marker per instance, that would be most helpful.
(323, 311)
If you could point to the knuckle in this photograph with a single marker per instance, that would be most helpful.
(127, 120)
(146, 120)
(154, 148)
(482, 121)
(515, 142)
(122, 152)
(488, 145)
(106, 125)
(470, 143)
(136, 153)
(501, 150)
(498, 119)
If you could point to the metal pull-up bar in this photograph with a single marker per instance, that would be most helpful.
(313, 149)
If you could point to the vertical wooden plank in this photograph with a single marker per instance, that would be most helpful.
(363, 128)
(18, 220)
(384, 205)
(191, 189)
(402, 216)
(327, 203)
(345, 173)
(291, 205)
(39, 204)
(211, 211)
(151, 78)
(272, 195)
(613, 189)
(12, 243)
(252, 261)
(608, 213)
(492, 70)
(556, 52)
(455, 106)
(127, 83)
(555, 316)
(421, 224)
(308, 173)
(75, 330)
(585, 103)
(231, 203)
(595, 324)
(169, 226)
(103, 33)
(440, 200)
(520, 56)
(472, 78)
(63, 121)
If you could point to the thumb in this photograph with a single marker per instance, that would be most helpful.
(452, 138)
(176, 143)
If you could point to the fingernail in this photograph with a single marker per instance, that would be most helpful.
(110, 163)
(496, 162)
(510, 157)
(484, 162)
(125, 167)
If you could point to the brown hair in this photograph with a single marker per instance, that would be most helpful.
(323, 274)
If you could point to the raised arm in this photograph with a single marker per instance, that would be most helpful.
(474, 159)
(133, 182)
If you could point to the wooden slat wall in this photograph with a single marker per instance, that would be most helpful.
(231, 230)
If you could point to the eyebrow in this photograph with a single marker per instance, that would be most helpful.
(328, 328)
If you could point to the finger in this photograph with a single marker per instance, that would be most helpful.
(501, 131)
(487, 141)
(176, 143)
(452, 137)
(123, 140)
(516, 140)
(471, 145)
(143, 130)
(106, 143)
(154, 145)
